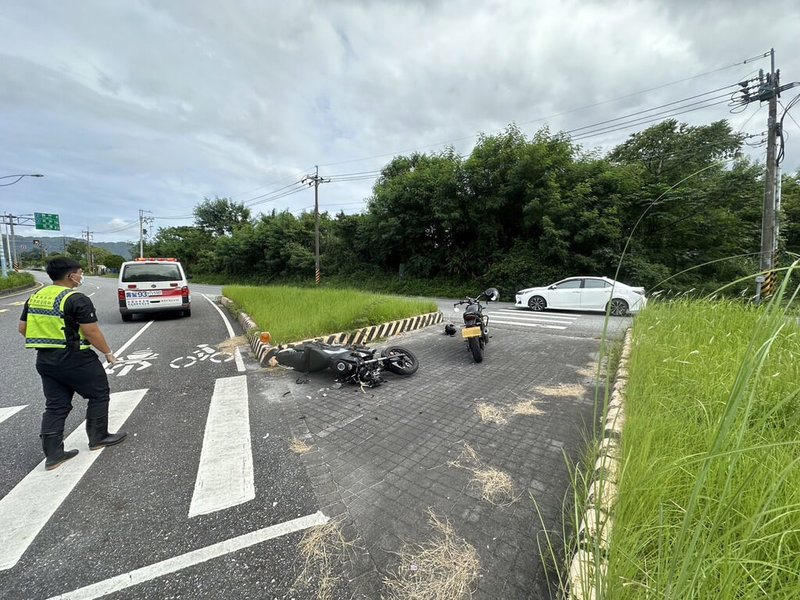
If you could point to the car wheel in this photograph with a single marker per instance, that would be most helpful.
(126, 317)
(537, 303)
(619, 308)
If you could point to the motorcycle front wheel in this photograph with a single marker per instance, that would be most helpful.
(400, 360)
(475, 348)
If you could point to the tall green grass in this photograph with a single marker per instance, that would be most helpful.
(291, 313)
(14, 279)
(709, 499)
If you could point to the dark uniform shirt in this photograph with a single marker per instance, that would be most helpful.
(77, 308)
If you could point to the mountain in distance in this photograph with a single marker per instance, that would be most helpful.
(50, 244)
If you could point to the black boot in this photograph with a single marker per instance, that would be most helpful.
(53, 446)
(97, 430)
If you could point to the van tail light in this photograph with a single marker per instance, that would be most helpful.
(121, 294)
(185, 291)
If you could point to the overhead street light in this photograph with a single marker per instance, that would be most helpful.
(3, 269)
(18, 177)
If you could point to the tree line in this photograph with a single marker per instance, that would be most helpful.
(680, 202)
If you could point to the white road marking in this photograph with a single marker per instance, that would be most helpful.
(236, 354)
(225, 474)
(28, 507)
(525, 324)
(133, 339)
(171, 565)
(9, 411)
(534, 315)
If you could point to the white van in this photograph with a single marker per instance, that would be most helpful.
(150, 285)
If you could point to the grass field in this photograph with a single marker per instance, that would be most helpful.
(709, 497)
(291, 313)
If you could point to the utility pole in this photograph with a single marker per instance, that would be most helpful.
(315, 180)
(142, 221)
(89, 259)
(11, 240)
(769, 91)
(768, 88)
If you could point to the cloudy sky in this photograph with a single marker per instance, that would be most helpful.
(153, 105)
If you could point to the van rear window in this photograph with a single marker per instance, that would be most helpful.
(145, 272)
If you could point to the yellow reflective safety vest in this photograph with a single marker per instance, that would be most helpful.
(46, 327)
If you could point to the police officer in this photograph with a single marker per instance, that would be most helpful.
(61, 324)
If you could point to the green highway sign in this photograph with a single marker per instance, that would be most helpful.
(46, 221)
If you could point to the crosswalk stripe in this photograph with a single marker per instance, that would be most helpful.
(523, 324)
(225, 475)
(28, 507)
(536, 315)
(195, 557)
(9, 411)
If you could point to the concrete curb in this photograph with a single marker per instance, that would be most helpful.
(20, 289)
(263, 352)
(587, 571)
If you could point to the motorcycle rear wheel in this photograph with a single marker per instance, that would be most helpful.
(475, 348)
(400, 360)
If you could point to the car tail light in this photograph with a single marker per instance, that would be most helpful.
(185, 291)
(121, 294)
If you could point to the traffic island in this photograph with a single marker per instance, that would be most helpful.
(263, 350)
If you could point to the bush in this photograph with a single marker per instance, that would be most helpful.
(14, 280)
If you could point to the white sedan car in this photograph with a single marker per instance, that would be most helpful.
(585, 293)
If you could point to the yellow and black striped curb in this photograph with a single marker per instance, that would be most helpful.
(264, 352)
(589, 565)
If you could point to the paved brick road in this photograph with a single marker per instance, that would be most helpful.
(380, 460)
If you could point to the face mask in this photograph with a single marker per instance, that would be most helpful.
(78, 283)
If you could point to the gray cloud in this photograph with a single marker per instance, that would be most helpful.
(154, 105)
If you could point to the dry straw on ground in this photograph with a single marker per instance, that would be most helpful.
(496, 486)
(298, 446)
(229, 345)
(444, 568)
(570, 390)
(323, 549)
(526, 407)
(491, 413)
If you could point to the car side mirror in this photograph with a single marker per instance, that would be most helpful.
(188, 277)
(492, 294)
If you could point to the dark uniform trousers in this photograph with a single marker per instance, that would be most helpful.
(64, 373)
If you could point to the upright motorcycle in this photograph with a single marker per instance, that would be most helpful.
(476, 324)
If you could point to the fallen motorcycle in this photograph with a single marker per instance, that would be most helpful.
(353, 364)
(476, 324)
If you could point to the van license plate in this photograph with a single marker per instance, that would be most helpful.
(469, 332)
(142, 294)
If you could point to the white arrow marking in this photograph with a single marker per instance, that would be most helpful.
(171, 565)
(225, 474)
(28, 507)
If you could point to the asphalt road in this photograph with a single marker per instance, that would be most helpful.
(133, 510)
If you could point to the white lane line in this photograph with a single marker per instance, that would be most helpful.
(133, 339)
(236, 354)
(225, 474)
(521, 324)
(28, 507)
(171, 565)
(9, 411)
(524, 319)
(534, 315)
